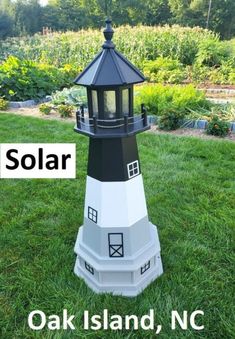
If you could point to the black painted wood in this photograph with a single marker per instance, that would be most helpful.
(108, 158)
(109, 67)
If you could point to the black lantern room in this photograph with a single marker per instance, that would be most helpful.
(109, 80)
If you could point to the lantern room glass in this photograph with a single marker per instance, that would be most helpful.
(94, 102)
(125, 101)
(109, 104)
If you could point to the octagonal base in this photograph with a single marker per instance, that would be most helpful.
(126, 276)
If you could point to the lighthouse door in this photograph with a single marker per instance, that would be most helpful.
(116, 244)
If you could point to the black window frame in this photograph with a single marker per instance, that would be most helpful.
(145, 267)
(89, 268)
(92, 214)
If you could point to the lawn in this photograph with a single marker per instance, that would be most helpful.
(190, 193)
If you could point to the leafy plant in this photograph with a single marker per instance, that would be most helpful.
(65, 111)
(45, 108)
(170, 120)
(217, 127)
(25, 79)
(165, 70)
(3, 104)
(75, 96)
(159, 99)
(212, 52)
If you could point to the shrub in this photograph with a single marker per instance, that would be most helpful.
(217, 127)
(198, 74)
(65, 111)
(3, 104)
(211, 52)
(165, 70)
(170, 120)
(225, 74)
(159, 99)
(45, 108)
(24, 79)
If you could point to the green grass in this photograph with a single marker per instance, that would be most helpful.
(189, 187)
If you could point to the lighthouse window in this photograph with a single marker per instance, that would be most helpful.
(116, 245)
(145, 267)
(109, 104)
(133, 169)
(89, 268)
(92, 214)
(125, 101)
(94, 102)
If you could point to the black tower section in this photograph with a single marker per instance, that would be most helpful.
(109, 158)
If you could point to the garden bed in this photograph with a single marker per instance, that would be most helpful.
(171, 106)
(189, 132)
(34, 112)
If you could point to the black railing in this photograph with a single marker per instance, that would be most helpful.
(126, 124)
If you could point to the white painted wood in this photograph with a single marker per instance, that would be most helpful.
(119, 204)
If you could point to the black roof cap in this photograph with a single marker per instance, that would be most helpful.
(109, 67)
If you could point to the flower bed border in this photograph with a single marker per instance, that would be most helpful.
(196, 124)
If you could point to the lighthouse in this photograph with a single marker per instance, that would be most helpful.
(117, 247)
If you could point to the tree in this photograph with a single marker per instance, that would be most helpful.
(157, 12)
(195, 12)
(208, 14)
(71, 15)
(6, 25)
(222, 17)
(27, 17)
(51, 17)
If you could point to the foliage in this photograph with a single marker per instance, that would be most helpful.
(165, 70)
(25, 79)
(65, 111)
(168, 54)
(28, 17)
(170, 120)
(139, 44)
(75, 96)
(45, 108)
(225, 112)
(3, 104)
(159, 99)
(217, 127)
(211, 52)
(174, 103)
(195, 12)
(189, 186)
(225, 74)
(6, 25)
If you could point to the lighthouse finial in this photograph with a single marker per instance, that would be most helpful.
(108, 34)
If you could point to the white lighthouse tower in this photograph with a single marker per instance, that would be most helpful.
(117, 247)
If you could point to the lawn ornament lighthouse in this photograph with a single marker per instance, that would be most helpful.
(117, 248)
